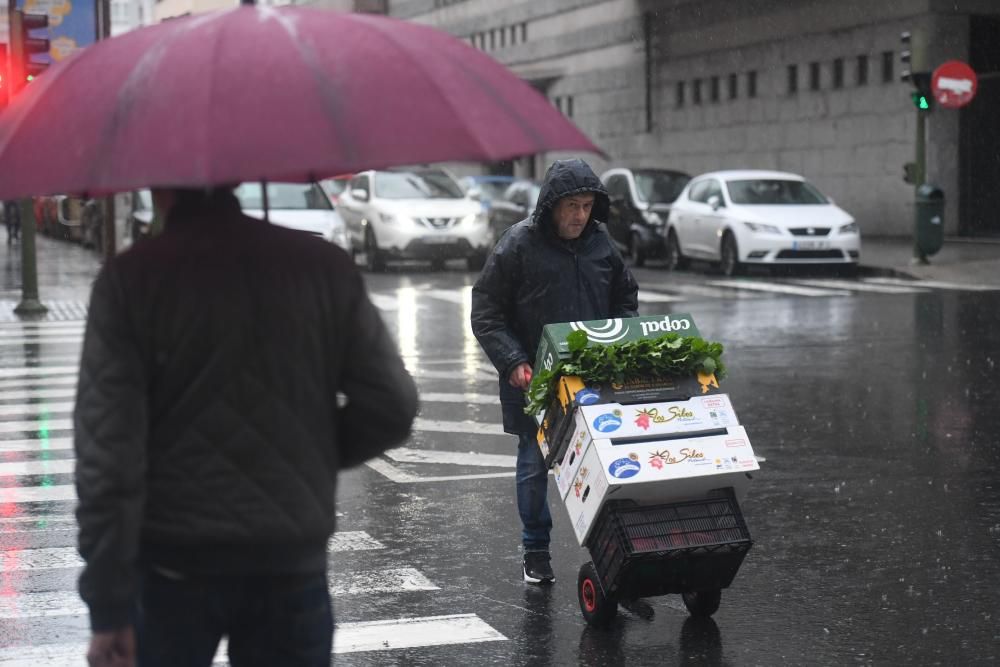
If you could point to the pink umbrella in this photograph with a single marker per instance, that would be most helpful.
(257, 93)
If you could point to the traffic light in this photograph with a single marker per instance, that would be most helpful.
(905, 56)
(921, 95)
(3, 76)
(23, 46)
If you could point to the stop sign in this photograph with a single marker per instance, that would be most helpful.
(954, 84)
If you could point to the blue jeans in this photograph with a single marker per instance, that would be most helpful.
(269, 620)
(532, 487)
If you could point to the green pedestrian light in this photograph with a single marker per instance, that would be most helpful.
(920, 100)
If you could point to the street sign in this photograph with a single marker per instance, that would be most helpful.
(954, 84)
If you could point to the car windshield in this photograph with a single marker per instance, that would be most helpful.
(282, 197)
(335, 186)
(659, 187)
(774, 191)
(492, 189)
(412, 185)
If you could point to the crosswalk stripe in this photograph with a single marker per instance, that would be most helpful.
(37, 494)
(384, 635)
(48, 408)
(38, 371)
(454, 375)
(437, 397)
(856, 286)
(36, 445)
(31, 394)
(407, 455)
(65, 378)
(934, 284)
(36, 425)
(777, 288)
(383, 302)
(40, 341)
(56, 558)
(649, 296)
(52, 467)
(461, 297)
(439, 426)
(77, 334)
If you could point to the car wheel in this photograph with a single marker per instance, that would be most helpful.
(374, 261)
(729, 256)
(675, 258)
(636, 254)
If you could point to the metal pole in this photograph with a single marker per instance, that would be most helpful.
(920, 175)
(109, 234)
(30, 305)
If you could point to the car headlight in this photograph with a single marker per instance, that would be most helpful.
(653, 218)
(760, 228)
(850, 228)
(479, 218)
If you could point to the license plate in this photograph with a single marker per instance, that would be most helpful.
(439, 240)
(810, 245)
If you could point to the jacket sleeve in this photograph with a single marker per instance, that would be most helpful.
(492, 302)
(110, 429)
(624, 289)
(381, 395)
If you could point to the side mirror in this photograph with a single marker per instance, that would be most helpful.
(715, 201)
(360, 194)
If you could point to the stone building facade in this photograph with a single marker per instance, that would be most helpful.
(809, 86)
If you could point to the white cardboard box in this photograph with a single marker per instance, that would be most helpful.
(657, 471)
(701, 413)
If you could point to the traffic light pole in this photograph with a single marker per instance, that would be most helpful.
(920, 173)
(30, 304)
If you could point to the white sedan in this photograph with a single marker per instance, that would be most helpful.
(767, 218)
(305, 207)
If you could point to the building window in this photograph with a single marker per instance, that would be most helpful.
(814, 76)
(696, 92)
(524, 32)
(569, 106)
(503, 37)
(793, 79)
(838, 73)
(862, 78)
(513, 35)
(887, 58)
(734, 86)
(752, 83)
(679, 94)
(714, 89)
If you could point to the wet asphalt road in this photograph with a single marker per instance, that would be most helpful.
(876, 516)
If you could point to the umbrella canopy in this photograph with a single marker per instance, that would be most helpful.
(258, 93)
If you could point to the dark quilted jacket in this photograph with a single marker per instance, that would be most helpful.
(207, 429)
(534, 278)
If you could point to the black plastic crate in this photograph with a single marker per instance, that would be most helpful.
(644, 551)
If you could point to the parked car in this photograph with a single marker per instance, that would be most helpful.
(140, 219)
(640, 204)
(767, 218)
(301, 206)
(516, 203)
(335, 186)
(418, 213)
(486, 188)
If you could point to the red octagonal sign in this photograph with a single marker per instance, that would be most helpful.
(954, 84)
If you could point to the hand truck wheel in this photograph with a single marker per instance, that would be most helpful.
(702, 604)
(598, 609)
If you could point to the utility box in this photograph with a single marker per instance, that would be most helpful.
(929, 219)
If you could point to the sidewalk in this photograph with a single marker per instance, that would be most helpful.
(960, 260)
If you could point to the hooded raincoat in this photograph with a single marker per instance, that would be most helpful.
(533, 278)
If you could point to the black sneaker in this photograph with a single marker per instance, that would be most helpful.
(537, 569)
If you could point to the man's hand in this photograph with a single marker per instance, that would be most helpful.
(520, 377)
(112, 649)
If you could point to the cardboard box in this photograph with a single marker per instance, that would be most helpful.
(555, 424)
(657, 471)
(553, 347)
(639, 422)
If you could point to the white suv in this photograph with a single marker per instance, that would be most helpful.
(414, 214)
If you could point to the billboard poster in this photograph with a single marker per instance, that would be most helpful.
(72, 24)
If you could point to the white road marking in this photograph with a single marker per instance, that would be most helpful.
(777, 288)
(934, 284)
(44, 340)
(38, 371)
(28, 334)
(407, 455)
(461, 297)
(383, 302)
(703, 291)
(45, 558)
(353, 540)
(437, 397)
(37, 494)
(856, 286)
(67, 378)
(397, 580)
(30, 394)
(454, 375)
(438, 426)
(37, 445)
(64, 407)
(53, 467)
(648, 296)
(347, 638)
(394, 474)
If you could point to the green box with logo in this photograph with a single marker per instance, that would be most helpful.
(553, 347)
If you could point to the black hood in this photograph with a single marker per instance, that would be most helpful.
(563, 179)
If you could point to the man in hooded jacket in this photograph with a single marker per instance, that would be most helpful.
(559, 265)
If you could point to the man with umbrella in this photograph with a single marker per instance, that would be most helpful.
(209, 431)
(559, 265)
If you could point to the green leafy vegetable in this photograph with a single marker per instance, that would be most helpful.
(670, 355)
